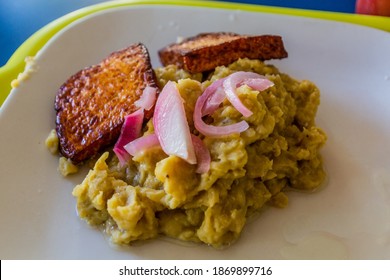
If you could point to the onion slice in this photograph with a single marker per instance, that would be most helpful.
(202, 155)
(131, 129)
(259, 84)
(215, 96)
(223, 88)
(147, 99)
(211, 130)
(141, 144)
(251, 79)
(171, 126)
(149, 141)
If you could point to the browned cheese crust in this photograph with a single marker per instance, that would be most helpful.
(206, 51)
(92, 104)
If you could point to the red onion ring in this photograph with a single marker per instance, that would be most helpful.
(131, 129)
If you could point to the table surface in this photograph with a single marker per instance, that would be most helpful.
(19, 19)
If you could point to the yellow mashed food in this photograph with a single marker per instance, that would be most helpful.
(156, 194)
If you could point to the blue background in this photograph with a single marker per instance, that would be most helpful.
(19, 19)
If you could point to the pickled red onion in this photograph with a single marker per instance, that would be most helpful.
(216, 96)
(259, 84)
(171, 126)
(201, 106)
(232, 81)
(202, 155)
(141, 144)
(147, 99)
(149, 141)
(131, 129)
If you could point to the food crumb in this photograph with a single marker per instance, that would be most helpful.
(52, 142)
(66, 167)
(30, 68)
(280, 200)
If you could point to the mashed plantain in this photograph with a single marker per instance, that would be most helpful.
(156, 194)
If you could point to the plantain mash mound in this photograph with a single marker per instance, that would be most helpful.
(270, 150)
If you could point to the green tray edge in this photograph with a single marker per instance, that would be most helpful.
(33, 44)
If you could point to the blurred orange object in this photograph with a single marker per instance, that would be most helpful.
(373, 7)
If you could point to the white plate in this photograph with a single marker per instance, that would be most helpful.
(348, 219)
